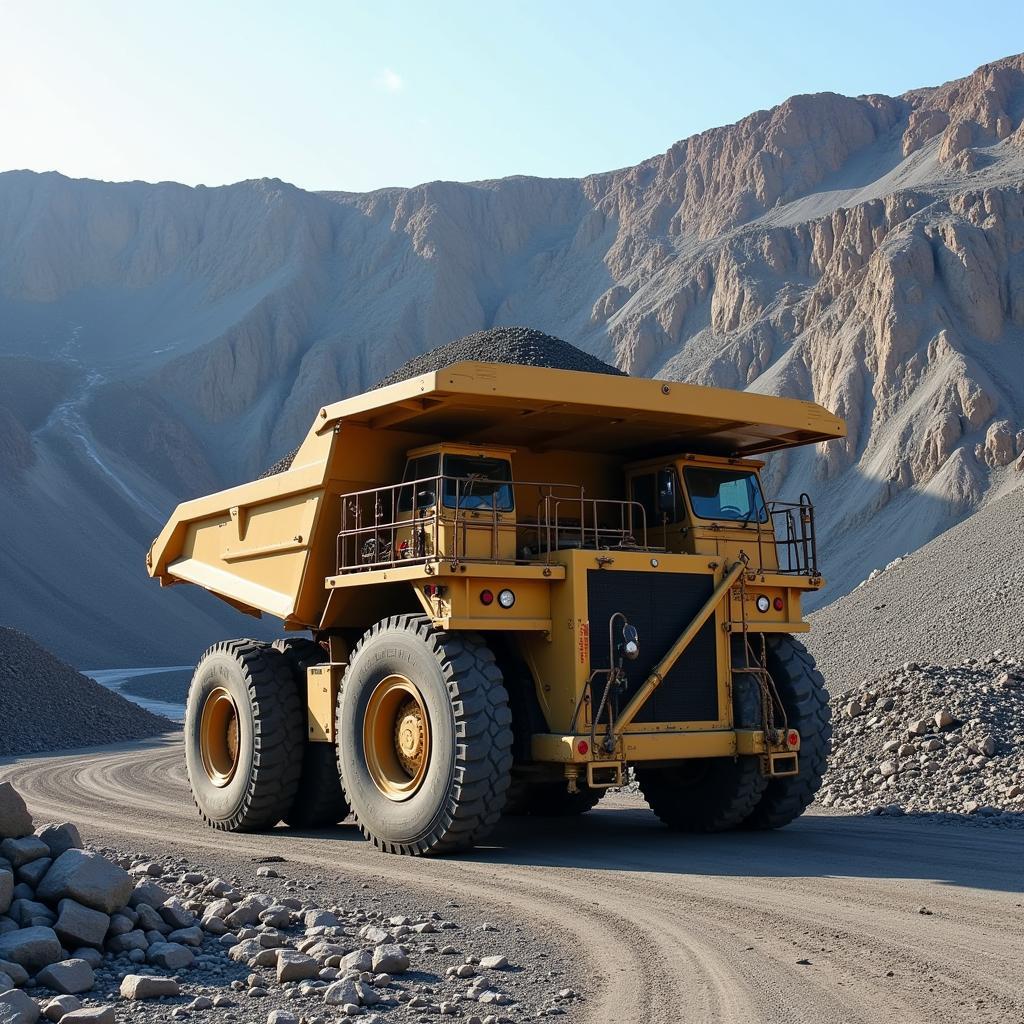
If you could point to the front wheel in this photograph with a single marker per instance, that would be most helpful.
(424, 737)
(243, 736)
(801, 689)
(709, 794)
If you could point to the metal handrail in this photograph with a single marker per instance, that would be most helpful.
(370, 524)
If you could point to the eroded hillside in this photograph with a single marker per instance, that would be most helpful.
(865, 252)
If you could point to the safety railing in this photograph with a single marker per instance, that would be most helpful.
(458, 519)
(792, 536)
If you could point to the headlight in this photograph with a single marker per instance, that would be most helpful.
(763, 604)
(506, 598)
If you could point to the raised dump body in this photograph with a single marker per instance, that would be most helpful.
(575, 571)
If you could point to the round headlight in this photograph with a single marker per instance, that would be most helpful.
(506, 598)
(763, 604)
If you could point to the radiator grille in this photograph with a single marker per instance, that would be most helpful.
(660, 605)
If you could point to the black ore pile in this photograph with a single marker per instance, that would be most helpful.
(46, 705)
(519, 346)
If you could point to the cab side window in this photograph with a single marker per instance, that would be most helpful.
(425, 469)
(659, 495)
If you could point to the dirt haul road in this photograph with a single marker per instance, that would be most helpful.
(819, 922)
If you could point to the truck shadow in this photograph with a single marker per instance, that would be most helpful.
(926, 847)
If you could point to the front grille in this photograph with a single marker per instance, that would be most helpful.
(661, 606)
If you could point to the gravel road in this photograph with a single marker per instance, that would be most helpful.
(820, 922)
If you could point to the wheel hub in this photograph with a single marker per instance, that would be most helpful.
(218, 737)
(410, 736)
(396, 737)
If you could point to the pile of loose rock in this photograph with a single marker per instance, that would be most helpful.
(520, 346)
(46, 705)
(93, 936)
(932, 739)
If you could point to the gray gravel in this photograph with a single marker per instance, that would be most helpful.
(522, 346)
(272, 944)
(959, 596)
(46, 705)
(932, 739)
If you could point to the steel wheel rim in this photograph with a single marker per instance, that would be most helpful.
(218, 737)
(396, 737)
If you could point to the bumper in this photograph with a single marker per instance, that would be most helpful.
(660, 746)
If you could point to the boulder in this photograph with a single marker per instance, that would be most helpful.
(390, 959)
(60, 837)
(150, 921)
(57, 1007)
(88, 878)
(78, 925)
(135, 939)
(145, 986)
(14, 971)
(15, 821)
(32, 872)
(171, 956)
(91, 1015)
(30, 913)
(21, 851)
(359, 960)
(149, 893)
(6, 889)
(339, 993)
(187, 936)
(295, 966)
(68, 977)
(243, 952)
(93, 957)
(33, 948)
(17, 1008)
(176, 914)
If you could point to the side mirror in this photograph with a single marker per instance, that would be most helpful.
(630, 642)
(667, 493)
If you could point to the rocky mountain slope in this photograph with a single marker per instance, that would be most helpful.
(959, 596)
(866, 252)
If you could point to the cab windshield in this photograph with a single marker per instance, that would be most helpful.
(479, 483)
(730, 494)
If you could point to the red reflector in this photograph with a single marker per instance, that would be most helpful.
(582, 746)
(793, 738)
(486, 597)
(779, 604)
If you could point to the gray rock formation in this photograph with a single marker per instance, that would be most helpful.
(158, 341)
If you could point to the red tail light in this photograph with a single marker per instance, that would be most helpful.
(486, 597)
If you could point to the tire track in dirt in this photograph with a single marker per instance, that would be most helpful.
(660, 927)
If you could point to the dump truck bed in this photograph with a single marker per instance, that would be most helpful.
(267, 546)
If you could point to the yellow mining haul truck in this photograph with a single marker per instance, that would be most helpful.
(506, 585)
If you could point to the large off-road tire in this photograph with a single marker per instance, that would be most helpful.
(710, 794)
(244, 730)
(319, 802)
(801, 689)
(424, 737)
(549, 800)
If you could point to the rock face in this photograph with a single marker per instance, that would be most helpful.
(865, 252)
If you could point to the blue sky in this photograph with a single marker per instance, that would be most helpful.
(359, 96)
